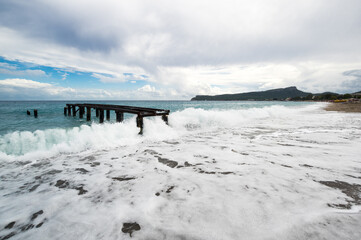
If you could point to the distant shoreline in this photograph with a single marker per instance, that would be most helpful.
(344, 107)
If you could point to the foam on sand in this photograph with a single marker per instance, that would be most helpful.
(270, 173)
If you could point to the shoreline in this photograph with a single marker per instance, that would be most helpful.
(344, 107)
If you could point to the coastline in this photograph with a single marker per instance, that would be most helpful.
(344, 107)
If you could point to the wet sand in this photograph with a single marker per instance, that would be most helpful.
(344, 107)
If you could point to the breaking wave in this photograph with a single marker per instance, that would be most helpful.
(47, 143)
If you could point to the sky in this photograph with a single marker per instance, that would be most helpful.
(174, 50)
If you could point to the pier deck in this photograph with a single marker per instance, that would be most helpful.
(72, 109)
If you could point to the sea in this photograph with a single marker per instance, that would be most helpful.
(217, 170)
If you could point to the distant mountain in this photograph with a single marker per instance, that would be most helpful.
(274, 94)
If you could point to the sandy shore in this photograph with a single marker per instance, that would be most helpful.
(344, 107)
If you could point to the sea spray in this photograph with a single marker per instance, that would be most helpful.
(50, 142)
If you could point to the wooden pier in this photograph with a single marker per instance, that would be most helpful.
(72, 109)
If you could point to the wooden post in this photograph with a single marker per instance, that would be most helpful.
(140, 123)
(101, 115)
(35, 113)
(97, 112)
(165, 119)
(69, 110)
(108, 115)
(119, 116)
(74, 111)
(28, 112)
(88, 113)
(65, 111)
(81, 112)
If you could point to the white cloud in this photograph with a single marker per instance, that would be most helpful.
(190, 47)
(147, 88)
(24, 89)
(106, 79)
(23, 83)
(118, 78)
(64, 76)
(10, 69)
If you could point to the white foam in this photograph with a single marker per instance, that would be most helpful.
(250, 174)
(51, 142)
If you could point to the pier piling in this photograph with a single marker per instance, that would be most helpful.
(88, 113)
(65, 111)
(119, 116)
(165, 119)
(74, 111)
(35, 113)
(108, 115)
(81, 112)
(140, 123)
(101, 115)
(27, 112)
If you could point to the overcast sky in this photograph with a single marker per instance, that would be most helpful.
(113, 49)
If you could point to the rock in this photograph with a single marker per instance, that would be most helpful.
(10, 225)
(81, 190)
(168, 162)
(35, 215)
(81, 170)
(130, 228)
(169, 189)
(123, 178)
(61, 184)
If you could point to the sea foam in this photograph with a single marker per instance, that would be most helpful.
(50, 142)
(260, 173)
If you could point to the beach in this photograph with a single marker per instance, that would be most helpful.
(267, 172)
(344, 107)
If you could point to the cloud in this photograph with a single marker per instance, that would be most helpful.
(147, 88)
(23, 83)
(10, 69)
(353, 80)
(181, 44)
(118, 78)
(24, 89)
(64, 76)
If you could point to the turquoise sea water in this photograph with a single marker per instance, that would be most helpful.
(13, 115)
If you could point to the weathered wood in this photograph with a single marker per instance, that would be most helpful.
(108, 114)
(28, 112)
(81, 112)
(35, 113)
(88, 113)
(140, 123)
(119, 116)
(65, 111)
(101, 115)
(165, 119)
(119, 112)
